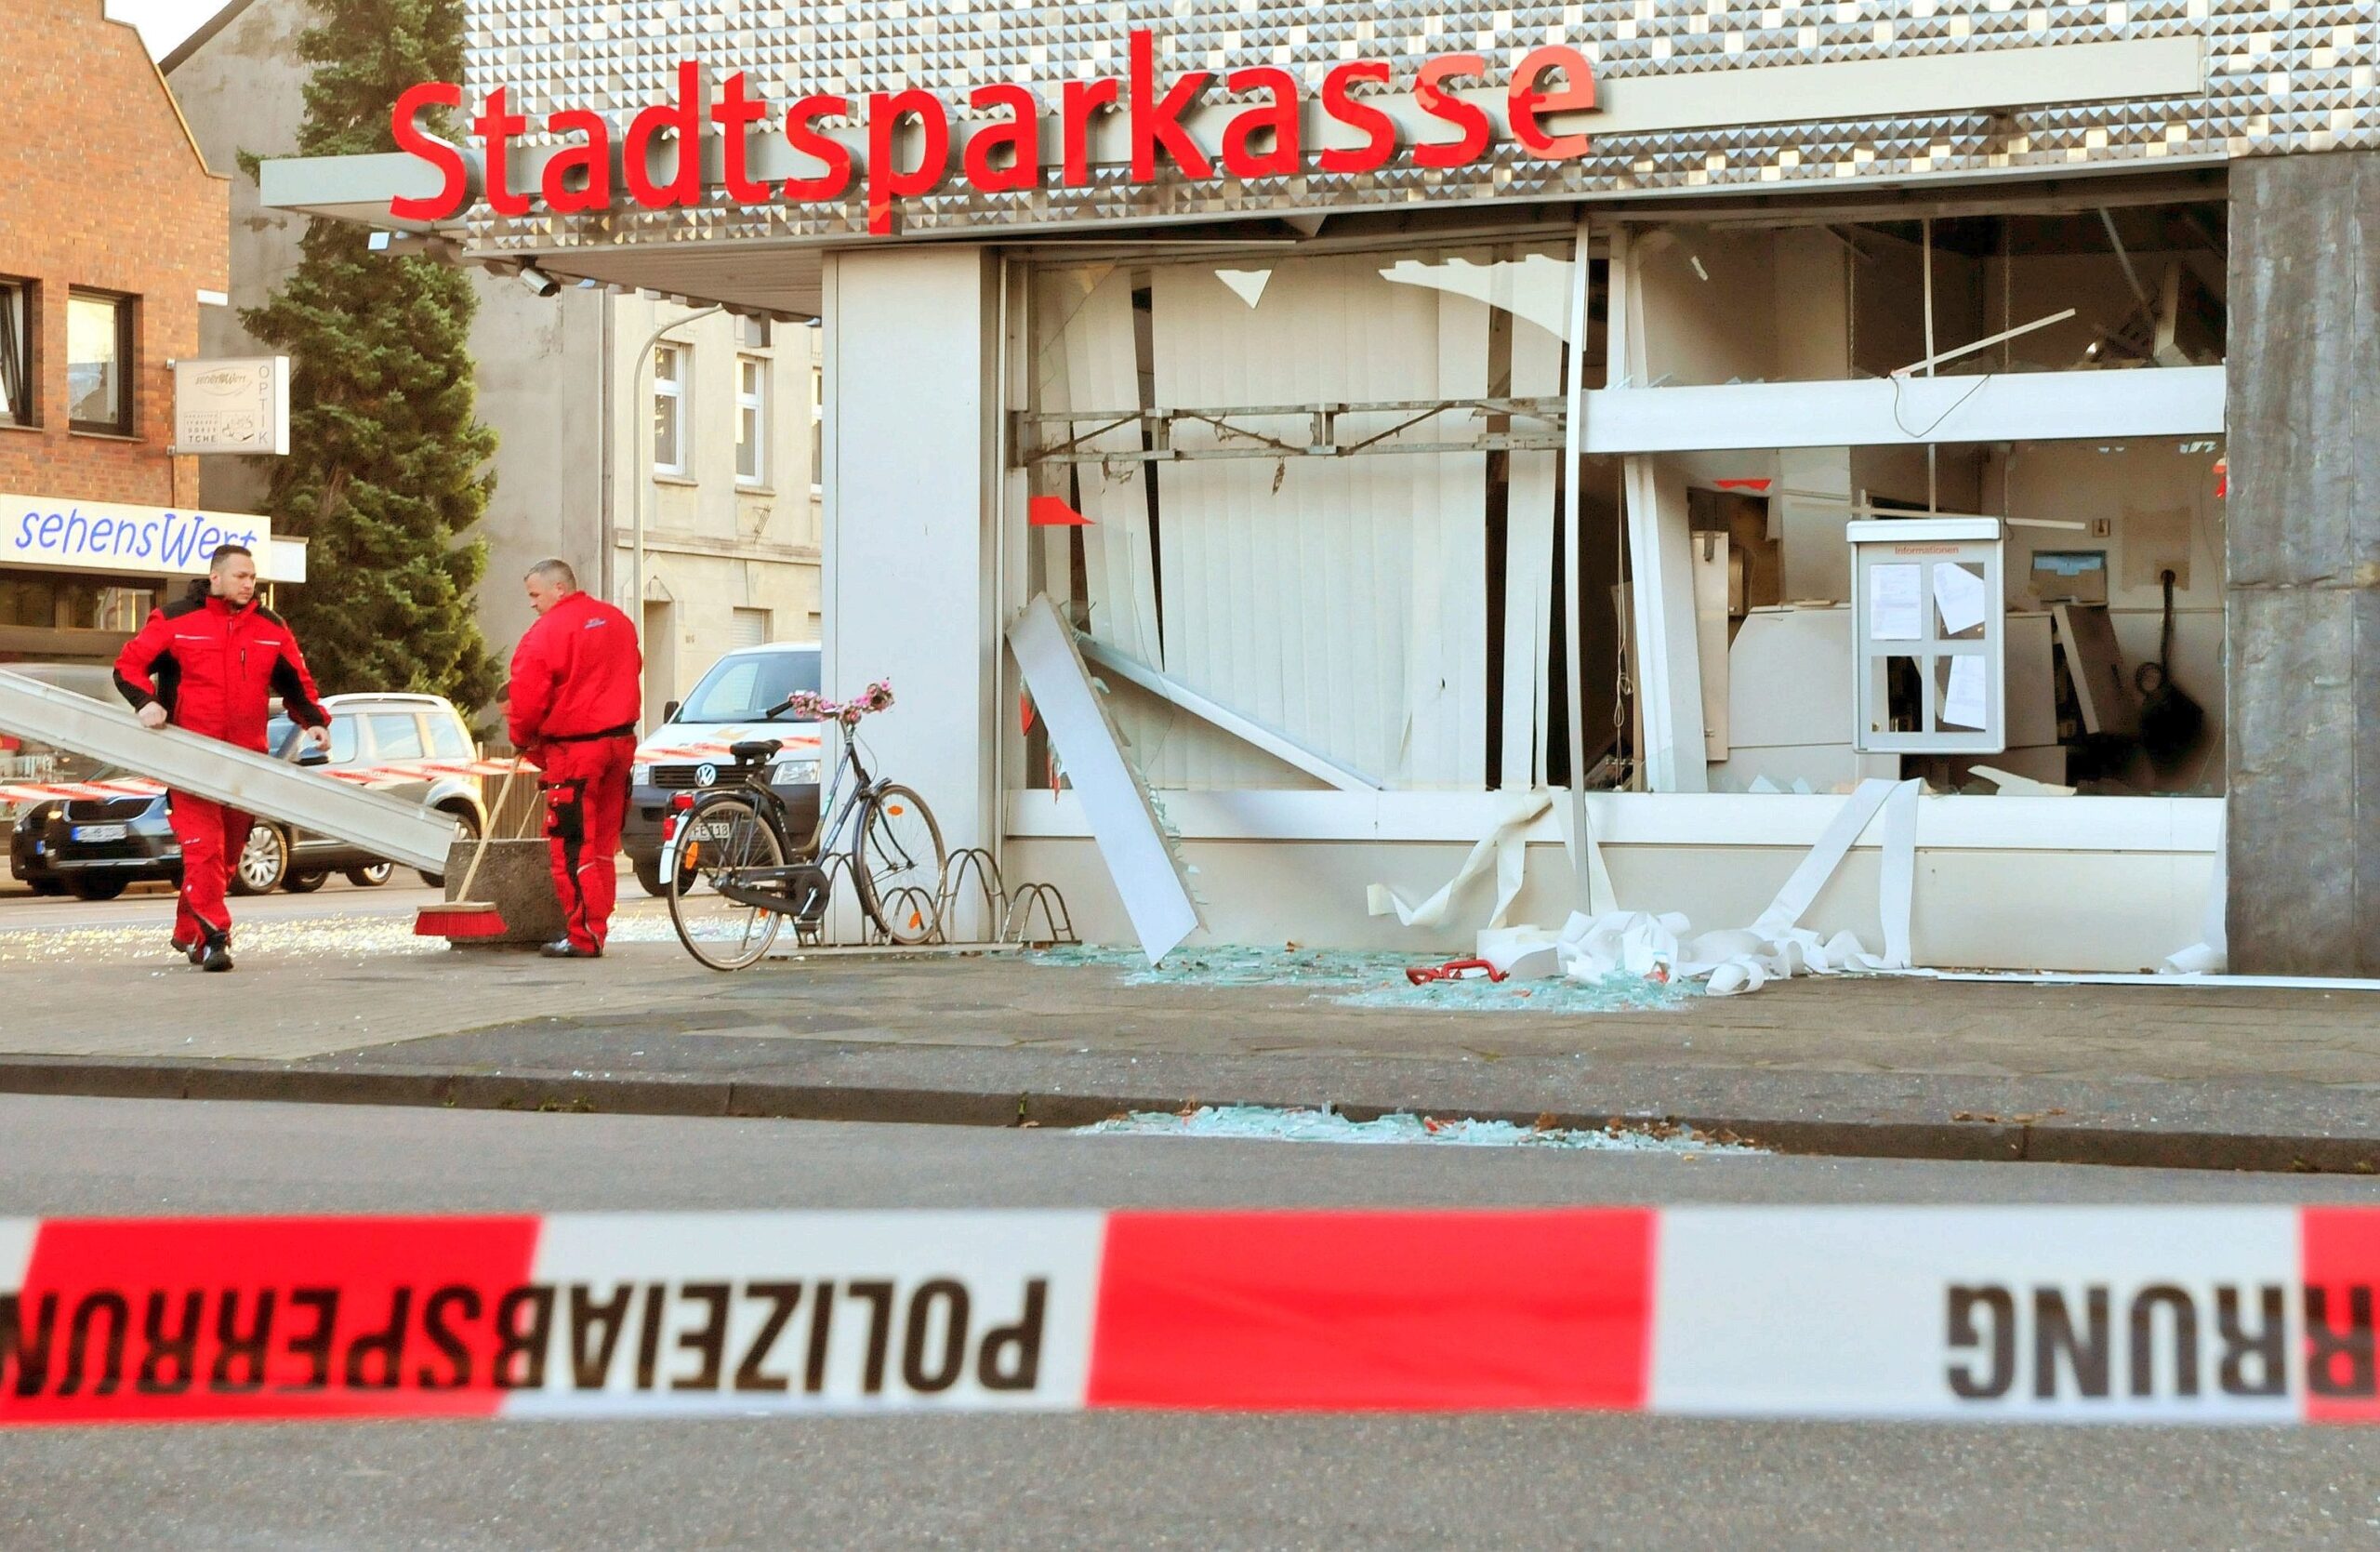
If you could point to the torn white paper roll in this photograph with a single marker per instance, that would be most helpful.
(1504, 845)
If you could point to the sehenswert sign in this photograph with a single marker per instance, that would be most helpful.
(232, 407)
(53, 534)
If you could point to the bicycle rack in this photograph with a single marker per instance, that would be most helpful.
(1054, 916)
(823, 933)
(979, 865)
(909, 897)
(970, 874)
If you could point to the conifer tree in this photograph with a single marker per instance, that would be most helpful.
(388, 471)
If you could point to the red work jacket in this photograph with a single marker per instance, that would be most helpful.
(215, 669)
(576, 674)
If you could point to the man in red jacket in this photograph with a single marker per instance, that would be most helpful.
(577, 689)
(212, 663)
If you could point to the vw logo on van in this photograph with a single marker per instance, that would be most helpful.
(706, 776)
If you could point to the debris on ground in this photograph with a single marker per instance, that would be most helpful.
(1372, 980)
(1271, 1124)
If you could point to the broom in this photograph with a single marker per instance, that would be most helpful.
(464, 917)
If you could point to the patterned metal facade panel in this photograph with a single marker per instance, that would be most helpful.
(2280, 76)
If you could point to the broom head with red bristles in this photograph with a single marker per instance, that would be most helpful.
(460, 919)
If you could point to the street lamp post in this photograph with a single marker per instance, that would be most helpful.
(644, 441)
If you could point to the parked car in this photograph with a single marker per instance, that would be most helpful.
(24, 761)
(94, 848)
(725, 705)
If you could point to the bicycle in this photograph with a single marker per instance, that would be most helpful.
(735, 874)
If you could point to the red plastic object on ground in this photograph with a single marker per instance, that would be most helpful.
(1422, 975)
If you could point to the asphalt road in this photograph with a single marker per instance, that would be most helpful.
(1106, 1481)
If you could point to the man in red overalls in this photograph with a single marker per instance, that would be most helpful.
(577, 690)
(212, 664)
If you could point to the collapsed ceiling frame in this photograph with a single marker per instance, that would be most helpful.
(1323, 439)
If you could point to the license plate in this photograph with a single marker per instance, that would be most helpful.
(715, 830)
(100, 832)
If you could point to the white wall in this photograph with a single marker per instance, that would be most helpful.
(911, 559)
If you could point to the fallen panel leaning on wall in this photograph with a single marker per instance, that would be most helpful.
(1147, 875)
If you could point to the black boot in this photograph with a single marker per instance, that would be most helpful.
(563, 948)
(213, 953)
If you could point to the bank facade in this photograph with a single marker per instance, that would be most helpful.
(1550, 454)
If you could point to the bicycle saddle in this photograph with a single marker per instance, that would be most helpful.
(752, 752)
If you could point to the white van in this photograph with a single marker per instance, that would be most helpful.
(688, 749)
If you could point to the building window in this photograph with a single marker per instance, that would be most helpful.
(751, 419)
(817, 429)
(19, 327)
(669, 409)
(747, 628)
(752, 333)
(99, 363)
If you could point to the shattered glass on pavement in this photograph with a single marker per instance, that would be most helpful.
(1372, 980)
(1271, 1124)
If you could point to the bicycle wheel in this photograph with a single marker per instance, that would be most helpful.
(896, 861)
(726, 839)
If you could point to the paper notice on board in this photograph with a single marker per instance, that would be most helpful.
(1962, 701)
(1896, 603)
(1957, 592)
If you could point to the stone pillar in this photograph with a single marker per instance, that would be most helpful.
(2301, 588)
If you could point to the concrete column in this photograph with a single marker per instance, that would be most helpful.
(2303, 565)
(910, 496)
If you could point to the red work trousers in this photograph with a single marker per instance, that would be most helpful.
(586, 787)
(212, 838)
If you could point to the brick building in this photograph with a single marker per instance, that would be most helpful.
(115, 237)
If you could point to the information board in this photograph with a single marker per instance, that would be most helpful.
(1928, 636)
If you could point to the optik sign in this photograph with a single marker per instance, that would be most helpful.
(890, 146)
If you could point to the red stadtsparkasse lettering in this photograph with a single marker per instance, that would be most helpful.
(1278, 117)
(1340, 102)
(1077, 102)
(735, 111)
(1430, 94)
(454, 174)
(1525, 101)
(802, 135)
(496, 128)
(684, 116)
(1019, 138)
(886, 181)
(1156, 121)
(593, 159)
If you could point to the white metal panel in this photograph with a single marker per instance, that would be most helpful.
(1148, 876)
(1881, 412)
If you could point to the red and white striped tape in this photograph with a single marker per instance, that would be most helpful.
(2165, 1315)
(396, 772)
(719, 750)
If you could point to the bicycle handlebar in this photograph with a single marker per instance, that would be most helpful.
(813, 707)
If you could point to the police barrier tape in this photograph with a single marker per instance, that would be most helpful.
(397, 772)
(2164, 1315)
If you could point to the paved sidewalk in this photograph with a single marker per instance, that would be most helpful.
(353, 1007)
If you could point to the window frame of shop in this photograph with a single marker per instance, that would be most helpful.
(21, 343)
(127, 310)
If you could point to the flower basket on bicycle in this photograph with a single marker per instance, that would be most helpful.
(736, 873)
